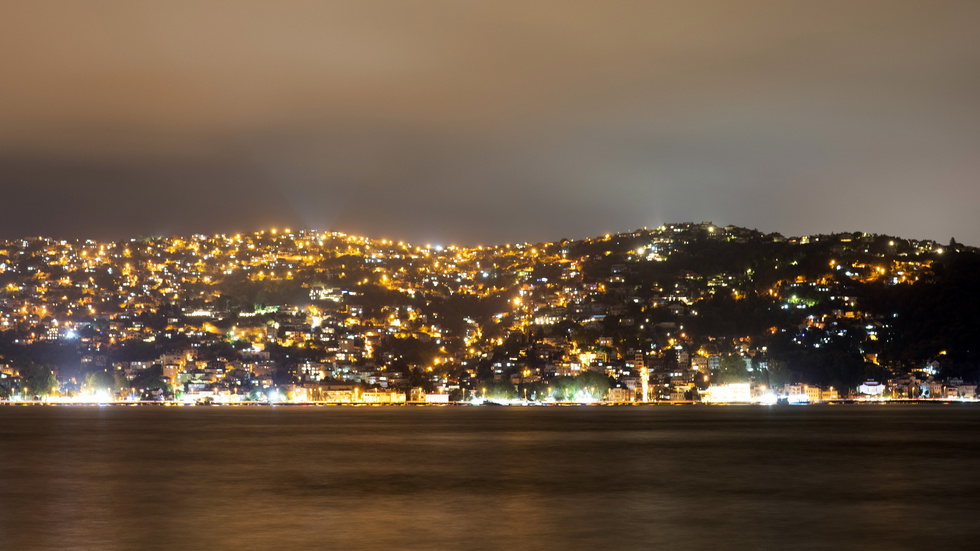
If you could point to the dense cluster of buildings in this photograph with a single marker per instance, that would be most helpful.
(327, 317)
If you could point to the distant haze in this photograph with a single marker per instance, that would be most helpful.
(484, 122)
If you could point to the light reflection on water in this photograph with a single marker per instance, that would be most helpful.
(488, 478)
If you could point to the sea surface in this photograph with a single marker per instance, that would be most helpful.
(642, 477)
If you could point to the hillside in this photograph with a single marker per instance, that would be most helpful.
(689, 299)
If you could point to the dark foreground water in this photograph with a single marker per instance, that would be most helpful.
(829, 477)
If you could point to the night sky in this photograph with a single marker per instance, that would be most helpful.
(488, 122)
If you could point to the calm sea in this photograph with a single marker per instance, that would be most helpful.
(788, 477)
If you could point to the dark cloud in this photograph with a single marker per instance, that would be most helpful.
(504, 121)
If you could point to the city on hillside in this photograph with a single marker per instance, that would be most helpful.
(682, 313)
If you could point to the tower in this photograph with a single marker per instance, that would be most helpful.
(644, 375)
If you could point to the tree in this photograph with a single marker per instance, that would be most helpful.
(498, 390)
(779, 374)
(102, 381)
(592, 383)
(417, 378)
(596, 384)
(39, 380)
(150, 378)
(732, 370)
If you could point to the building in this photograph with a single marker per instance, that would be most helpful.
(622, 395)
(735, 392)
(871, 389)
(436, 398)
(382, 397)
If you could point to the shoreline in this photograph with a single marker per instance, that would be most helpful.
(10, 403)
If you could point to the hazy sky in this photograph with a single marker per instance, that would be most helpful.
(482, 122)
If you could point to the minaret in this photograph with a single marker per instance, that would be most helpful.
(644, 375)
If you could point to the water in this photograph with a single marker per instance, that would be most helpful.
(817, 477)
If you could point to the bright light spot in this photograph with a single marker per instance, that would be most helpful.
(798, 399)
(720, 394)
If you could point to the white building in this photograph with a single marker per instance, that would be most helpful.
(871, 388)
(735, 392)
